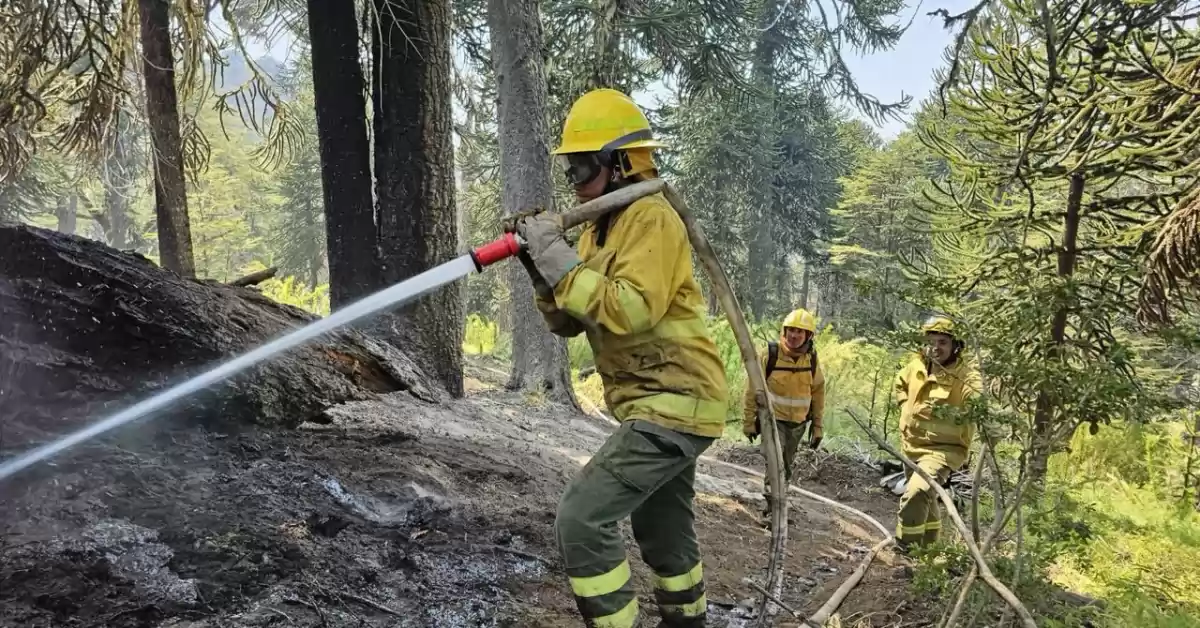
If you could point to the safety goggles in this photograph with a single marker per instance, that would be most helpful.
(580, 168)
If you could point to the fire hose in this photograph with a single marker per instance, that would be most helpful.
(510, 245)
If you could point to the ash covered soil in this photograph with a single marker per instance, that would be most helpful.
(387, 512)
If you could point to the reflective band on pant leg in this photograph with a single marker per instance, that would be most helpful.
(682, 582)
(624, 618)
(933, 530)
(903, 531)
(606, 599)
(682, 596)
(603, 584)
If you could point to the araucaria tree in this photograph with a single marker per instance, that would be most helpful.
(1066, 148)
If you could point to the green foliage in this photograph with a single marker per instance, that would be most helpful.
(296, 292)
(1117, 529)
(480, 336)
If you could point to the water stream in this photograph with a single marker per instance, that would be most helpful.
(389, 297)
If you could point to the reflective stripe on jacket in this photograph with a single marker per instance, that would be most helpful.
(923, 429)
(797, 391)
(639, 303)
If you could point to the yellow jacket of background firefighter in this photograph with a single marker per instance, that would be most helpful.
(922, 387)
(797, 389)
(636, 297)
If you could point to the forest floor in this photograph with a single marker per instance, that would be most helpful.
(390, 512)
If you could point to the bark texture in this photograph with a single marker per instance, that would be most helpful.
(1047, 407)
(118, 178)
(65, 213)
(338, 89)
(539, 357)
(414, 166)
(162, 111)
(85, 329)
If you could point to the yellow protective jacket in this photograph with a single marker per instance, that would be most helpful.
(797, 391)
(923, 386)
(644, 315)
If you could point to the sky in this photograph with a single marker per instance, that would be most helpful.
(906, 69)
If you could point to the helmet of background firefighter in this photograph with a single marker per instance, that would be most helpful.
(801, 319)
(607, 121)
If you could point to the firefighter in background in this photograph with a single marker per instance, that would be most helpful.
(630, 287)
(796, 386)
(939, 444)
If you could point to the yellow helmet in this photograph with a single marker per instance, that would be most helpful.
(606, 121)
(801, 319)
(939, 325)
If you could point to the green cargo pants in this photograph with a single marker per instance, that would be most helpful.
(645, 472)
(920, 519)
(791, 435)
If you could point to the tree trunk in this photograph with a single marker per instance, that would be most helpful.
(762, 245)
(804, 286)
(606, 46)
(539, 359)
(414, 167)
(345, 151)
(162, 112)
(1043, 420)
(118, 178)
(783, 282)
(65, 213)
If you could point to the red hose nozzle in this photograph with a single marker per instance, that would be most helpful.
(497, 250)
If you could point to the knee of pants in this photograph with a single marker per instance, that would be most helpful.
(571, 525)
(917, 489)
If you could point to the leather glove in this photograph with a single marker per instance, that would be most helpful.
(815, 433)
(540, 286)
(547, 245)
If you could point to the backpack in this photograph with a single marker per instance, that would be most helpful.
(773, 360)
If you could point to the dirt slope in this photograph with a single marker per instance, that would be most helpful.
(391, 512)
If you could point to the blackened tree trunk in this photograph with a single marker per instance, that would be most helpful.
(414, 168)
(539, 359)
(338, 91)
(162, 111)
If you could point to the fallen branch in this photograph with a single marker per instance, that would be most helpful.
(369, 602)
(831, 605)
(758, 587)
(254, 278)
(755, 377)
(985, 572)
(477, 547)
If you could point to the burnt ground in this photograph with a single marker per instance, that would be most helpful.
(387, 512)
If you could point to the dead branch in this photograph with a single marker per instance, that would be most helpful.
(755, 376)
(758, 587)
(482, 547)
(369, 602)
(255, 278)
(985, 571)
(831, 605)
